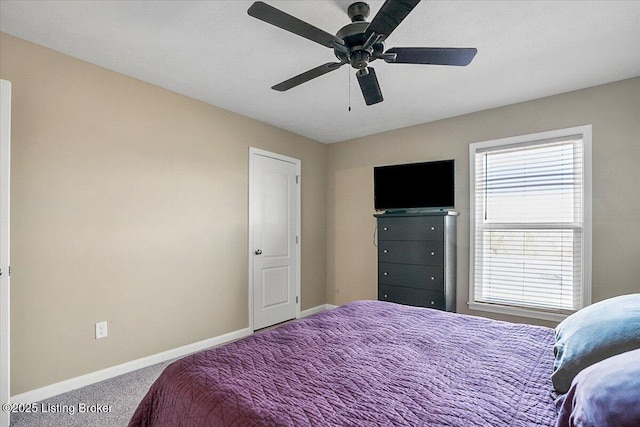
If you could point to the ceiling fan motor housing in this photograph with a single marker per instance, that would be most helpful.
(354, 39)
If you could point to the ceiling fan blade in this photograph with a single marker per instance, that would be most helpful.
(369, 86)
(273, 16)
(430, 55)
(390, 15)
(307, 75)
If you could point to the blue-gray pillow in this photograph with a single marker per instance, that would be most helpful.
(595, 333)
(605, 394)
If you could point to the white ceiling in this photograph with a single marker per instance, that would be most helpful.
(215, 52)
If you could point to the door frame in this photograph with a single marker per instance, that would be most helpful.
(5, 176)
(258, 152)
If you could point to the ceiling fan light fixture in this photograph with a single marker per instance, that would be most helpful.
(359, 59)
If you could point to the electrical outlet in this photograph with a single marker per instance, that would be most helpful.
(101, 330)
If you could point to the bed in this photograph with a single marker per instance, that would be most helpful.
(367, 363)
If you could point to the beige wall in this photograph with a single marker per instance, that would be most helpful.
(129, 204)
(612, 109)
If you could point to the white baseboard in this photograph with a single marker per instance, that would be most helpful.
(317, 309)
(104, 374)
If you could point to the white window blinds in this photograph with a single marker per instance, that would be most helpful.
(529, 236)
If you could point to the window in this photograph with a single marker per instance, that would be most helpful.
(531, 224)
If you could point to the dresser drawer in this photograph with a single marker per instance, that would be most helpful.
(411, 228)
(411, 296)
(411, 276)
(413, 252)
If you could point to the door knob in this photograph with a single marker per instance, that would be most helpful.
(258, 252)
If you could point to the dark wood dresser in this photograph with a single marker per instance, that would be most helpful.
(417, 258)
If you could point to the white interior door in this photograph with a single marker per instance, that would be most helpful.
(5, 136)
(274, 224)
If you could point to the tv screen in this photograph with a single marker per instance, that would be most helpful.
(414, 185)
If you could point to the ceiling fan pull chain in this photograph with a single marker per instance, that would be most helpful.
(349, 89)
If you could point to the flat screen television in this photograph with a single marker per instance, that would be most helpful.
(414, 186)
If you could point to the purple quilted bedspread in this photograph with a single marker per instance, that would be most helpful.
(367, 363)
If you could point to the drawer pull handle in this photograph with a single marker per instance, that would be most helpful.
(433, 278)
(432, 253)
(386, 228)
(385, 251)
(433, 228)
(433, 303)
(386, 296)
(385, 273)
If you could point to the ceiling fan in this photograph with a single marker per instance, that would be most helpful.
(360, 43)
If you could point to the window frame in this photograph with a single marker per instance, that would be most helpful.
(541, 313)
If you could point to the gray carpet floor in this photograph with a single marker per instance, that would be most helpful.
(120, 395)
